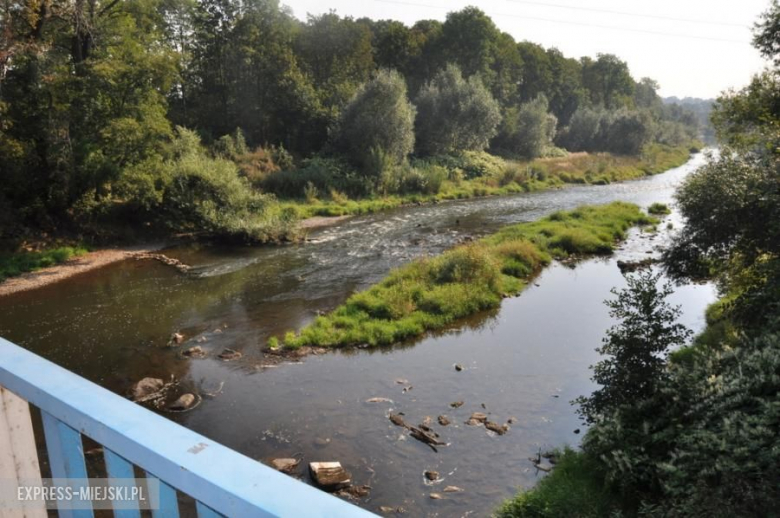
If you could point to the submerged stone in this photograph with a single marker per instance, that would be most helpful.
(330, 475)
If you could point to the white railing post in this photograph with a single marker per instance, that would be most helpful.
(18, 455)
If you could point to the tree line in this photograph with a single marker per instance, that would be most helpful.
(137, 102)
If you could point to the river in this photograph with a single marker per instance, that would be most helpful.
(527, 360)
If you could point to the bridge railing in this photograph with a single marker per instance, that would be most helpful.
(222, 481)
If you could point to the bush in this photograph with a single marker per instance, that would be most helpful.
(13, 264)
(574, 489)
(208, 195)
(582, 131)
(325, 173)
(455, 114)
(378, 119)
(472, 164)
(528, 131)
(659, 209)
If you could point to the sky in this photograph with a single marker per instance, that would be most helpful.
(695, 48)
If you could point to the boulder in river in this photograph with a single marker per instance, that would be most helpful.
(500, 429)
(453, 489)
(195, 352)
(443, 420)
(285, 465)
(431, 475)
(185, 402)
(397, 420)
(146, 387)
(480, 417)
(458, 367)
(456, 404)
(228, 355)
(379, 400)
(330, 476)
(176, 339)
(435, 496)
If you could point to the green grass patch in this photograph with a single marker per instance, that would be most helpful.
(13, 264)
(574, 488)
(659, 209)
(431, 293)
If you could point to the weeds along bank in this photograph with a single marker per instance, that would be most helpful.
(329, 187)
(431, 293)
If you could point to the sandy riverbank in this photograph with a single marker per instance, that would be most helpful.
(75, 266)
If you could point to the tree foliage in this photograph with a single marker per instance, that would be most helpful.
(378, 119)
(455, 114)
(635, 347)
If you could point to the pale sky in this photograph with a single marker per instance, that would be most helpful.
(715, 56)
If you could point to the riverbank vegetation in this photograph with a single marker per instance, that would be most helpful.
(431, 293)
(699, 432)
(13, 264)
(470, 175)
(146, 118)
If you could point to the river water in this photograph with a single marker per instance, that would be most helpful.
(527, 360)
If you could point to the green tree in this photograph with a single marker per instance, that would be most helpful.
(455, 114)
(379, 119)
(608, 81)
(537, 71)
(336, 52)
(635, 348)
(528, 131)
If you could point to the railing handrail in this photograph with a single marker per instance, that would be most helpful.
(221, 478)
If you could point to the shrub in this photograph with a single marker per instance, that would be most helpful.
(207, 194)
(324, 173)
(378, 119)
(659, 209)
(455, 114)
(528, 131)
(13, 264)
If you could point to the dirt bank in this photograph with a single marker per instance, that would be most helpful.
(75, 266)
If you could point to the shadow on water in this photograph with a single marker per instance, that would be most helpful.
(526, 360)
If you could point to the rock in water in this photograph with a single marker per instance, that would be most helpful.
(431, 475)
(285, 465)
(398, 420)
(196, 352)
(436, 496)
(458, 367)
(444, 420)
(185, 402)
(330, 475)
(456, 404)
(479, 417)
(379, 400)
(500, 429)
(146, 387)
(228, 355)
(177, 339)
(453, 489)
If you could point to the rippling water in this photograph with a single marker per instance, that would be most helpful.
(526, 360)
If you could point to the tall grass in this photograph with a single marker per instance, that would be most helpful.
(574, 489)
(431, 293)
(13, 264)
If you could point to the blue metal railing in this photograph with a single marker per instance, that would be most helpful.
(222, 481)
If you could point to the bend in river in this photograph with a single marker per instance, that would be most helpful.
(526, 360)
